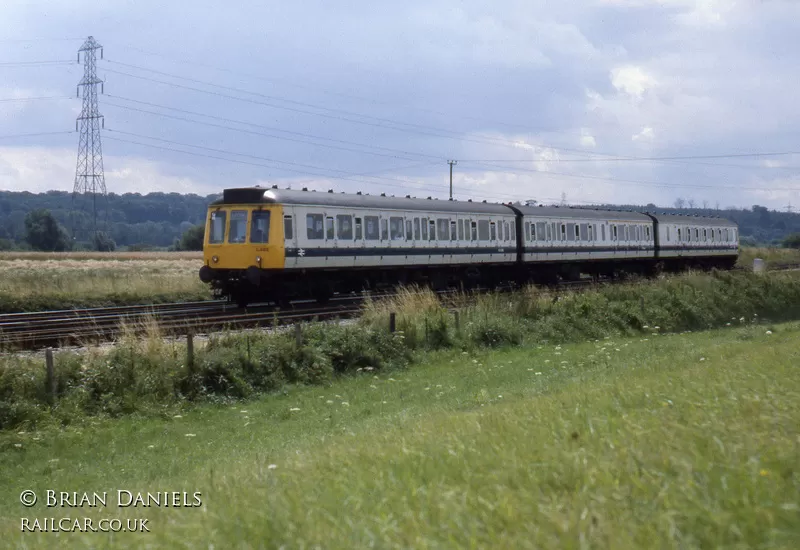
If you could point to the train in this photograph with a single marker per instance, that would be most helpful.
(278, 245)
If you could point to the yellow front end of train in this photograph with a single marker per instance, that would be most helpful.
(243, 243)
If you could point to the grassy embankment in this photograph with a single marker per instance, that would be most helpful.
(31, 281)
(151, 375)
(647, 441)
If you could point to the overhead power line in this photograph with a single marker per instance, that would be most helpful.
(316, 89)
(639, 159)
(38, 134)
(12, 99)
(397, 152)
(24, 63)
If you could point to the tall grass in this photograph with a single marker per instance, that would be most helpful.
(31, 285)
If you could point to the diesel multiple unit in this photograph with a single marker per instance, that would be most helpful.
(278, 245)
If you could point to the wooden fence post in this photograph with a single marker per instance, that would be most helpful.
(51, 376)
(190, 352)
(392, 321)
(298, 334)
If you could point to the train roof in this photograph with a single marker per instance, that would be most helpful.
(260, 195)
(581, 213)
(694, 220)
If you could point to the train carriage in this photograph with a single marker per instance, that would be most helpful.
(693, 241)
(276, 244)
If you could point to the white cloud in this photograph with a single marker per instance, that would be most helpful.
(632, 80)
(646, 134)
(587, 139)
(38, 169)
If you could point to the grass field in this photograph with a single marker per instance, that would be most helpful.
(772, 256)
(31, 281)
(654, 441)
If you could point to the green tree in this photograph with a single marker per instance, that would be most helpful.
(792, 241)
(103, 242)
(192, 238)
(43, 232)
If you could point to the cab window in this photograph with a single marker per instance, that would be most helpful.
(217, 232)
(259, 226)
(238, 226)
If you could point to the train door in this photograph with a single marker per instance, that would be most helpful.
(290, 237)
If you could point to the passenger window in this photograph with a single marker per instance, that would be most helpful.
(679, 234)
(647, 233)
(288, 227)
(259, 226)
(384, 229)
(614, 233)
(442, 228)
(358, 229)
(432, 230)
(513, 226)
(696, 234)
(577, 232)
(572, 230)
(705, 234)
(668, 237)
(396, 228)
(549, 232)
(238, 226)
(371, 230)
(416, 229)
(563, 232)
(453, 233)
(585, 231)
(538, 230)
(474, 230)
(602, 232)
(483, 230)
(344, 226)
(217, 232)
(460, 230)
(314, 226)
(409, 231)
(492, 231)
(329, 228)
(424, 229)
(530, 231)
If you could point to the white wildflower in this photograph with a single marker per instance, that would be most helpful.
(294, 409)
(769, 332)
(538, 373)
(191, 435)
(345, 404)
(18, 445)
(272, 466)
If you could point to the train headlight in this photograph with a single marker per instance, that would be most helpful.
(215, 259)
(258, 259)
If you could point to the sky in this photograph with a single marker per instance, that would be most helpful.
(581, 102)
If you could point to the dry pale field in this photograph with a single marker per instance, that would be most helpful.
(104, 256)
(34, 281)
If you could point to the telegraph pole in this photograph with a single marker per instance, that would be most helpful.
(451, 163)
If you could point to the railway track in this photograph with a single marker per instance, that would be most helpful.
(90, 326)
(60, 328)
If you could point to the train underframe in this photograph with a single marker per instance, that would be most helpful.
(283, 286)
